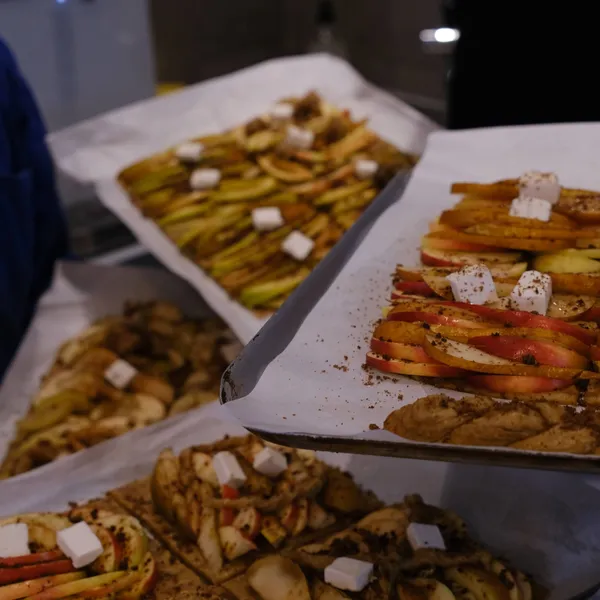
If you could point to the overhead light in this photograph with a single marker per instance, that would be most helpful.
(441, 35)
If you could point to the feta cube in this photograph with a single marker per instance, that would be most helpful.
(14, 540)
(527, 207)
(544, 186)
(269, 462)
(349, 574)
(532, 292)
(80, 544)
(228, 469)
(204, 179)
(189, 152)
(282, 111)
(120, 374)
(297, 245)
(364, 168)
(473, 284)
(267, 218)
(302, 139)
(421, 535)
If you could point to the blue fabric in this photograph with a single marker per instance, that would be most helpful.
(33, 232)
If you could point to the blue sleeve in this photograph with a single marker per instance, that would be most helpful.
(33, 232)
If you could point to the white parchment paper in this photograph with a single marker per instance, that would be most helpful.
(93, 152)
(80, 294)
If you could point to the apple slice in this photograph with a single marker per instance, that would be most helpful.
(429, 242)
(532, 245)
(518, 318)
(229, 493)
(445, 258)
(419, 288)
(506, 271)
(302, 517)
(108, 590)
(248, 521)
(277, 578)
(482, 584)
(111, 557)
(576, 283)
(203, 467)
(78, 587)
(288, 517)
(226, 516)
(522, 349)
(464, 356)
(234, 543)
(35, 586)
(273, 531)
(412, 352)
(147, 578)
(208, 538)
(318, 517)
(31, 559)
(517, 384)
(450, 318)
(404, 367)
(130, 535)
(549, 232)
(55, 567)
(566, 261)
(473, 214)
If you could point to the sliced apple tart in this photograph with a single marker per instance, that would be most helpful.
(218, 506)
(409, 551)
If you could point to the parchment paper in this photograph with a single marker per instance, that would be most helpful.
(94, 151)
(80, 294)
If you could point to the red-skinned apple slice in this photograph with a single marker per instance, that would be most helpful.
(248, 521)
(302, 518)
(401, 367)
(31, 559)
(446, 258)
(431, 242)
(56, 567)
(412, 352)
(518, 318)
(516, 384)
(419, 288)
(595, 352)
(23, 589)
(148, 575)
(111, 557)
(108, 590)
(130, 535)
(529, 244)
(229, 493)
(234, 543)
(521, 349)
(78, 587)
(593, 314)
(464, 356)
(452, 319)
(226, 516)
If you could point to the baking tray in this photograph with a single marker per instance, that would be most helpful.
(283, 385)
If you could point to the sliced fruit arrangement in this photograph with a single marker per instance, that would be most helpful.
(407, 551)
(258, 206)
(218, 506)
(487, 348)
(492, 224)
(106, 556)
(122, 373)
(482, 421)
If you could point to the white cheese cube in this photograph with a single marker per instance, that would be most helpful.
(364, 168)
(544, 186)
(14, 540)
(473, 284)
(204, 179)
(120, 374)
(532, 292)
(267, 218)
(80, 544)
(228, 470)
(349, 574)
(421, 535)
(302, 139)
(282, 111)
(269, 462)
(297, 245)
(527, 207)
(189, 152)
